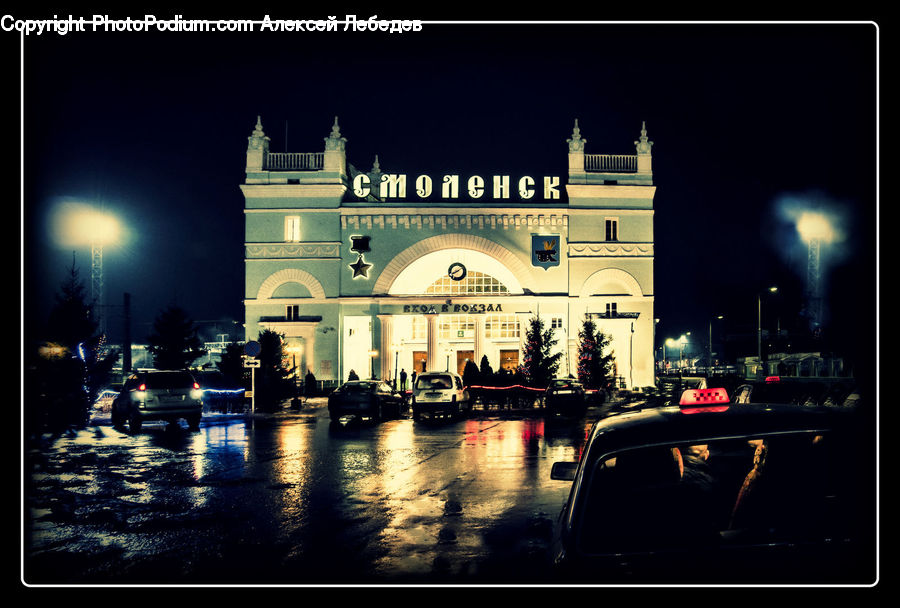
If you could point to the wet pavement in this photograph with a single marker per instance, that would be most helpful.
(290, 499)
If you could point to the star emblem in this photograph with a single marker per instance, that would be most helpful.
(360, 268)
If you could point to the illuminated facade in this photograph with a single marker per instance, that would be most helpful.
(378, 272)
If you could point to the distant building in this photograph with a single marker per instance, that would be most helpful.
(377, 272)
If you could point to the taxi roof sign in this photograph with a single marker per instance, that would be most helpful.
(704, 400)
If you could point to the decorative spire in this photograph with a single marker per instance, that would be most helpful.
(643, 145)
(258, 138)
(376, 168)
(576, 144)
(335, 141)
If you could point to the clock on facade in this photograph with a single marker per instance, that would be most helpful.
(457, 271)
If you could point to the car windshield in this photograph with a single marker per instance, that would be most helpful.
(562, 384)
(356, 387)
(781, 489)
(167, 380)
(434, 382)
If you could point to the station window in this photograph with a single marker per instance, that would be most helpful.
(612, 229)
(292, 312)
(556, 323)
(292, 228)
(501, 326)
(457, 326)
(473, 283)
(611, 310)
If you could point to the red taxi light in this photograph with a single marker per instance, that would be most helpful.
(773, 379)
(196, 385)
(704, 400)
(142, 387)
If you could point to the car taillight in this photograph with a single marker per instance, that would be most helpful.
(196, 385)
(704, 400)
(773, 379)
(142, 387)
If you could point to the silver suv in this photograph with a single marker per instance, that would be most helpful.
(158, 395)
(440, 394)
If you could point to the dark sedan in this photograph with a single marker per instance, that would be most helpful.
(708, 491)
(565, 398)
(365, 401)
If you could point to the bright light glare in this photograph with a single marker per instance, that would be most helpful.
(815, 226)
(77, 224)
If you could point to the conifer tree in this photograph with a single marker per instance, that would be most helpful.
(594, 367)
(539, 362)
(174, 343)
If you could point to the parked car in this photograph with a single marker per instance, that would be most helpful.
(565, 397)
(802, 390)
(437, 394)
(158, 395)
(365, 401)
(707, 491)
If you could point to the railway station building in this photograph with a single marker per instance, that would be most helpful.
(377, 272)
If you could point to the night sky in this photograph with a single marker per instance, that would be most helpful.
(747, 122)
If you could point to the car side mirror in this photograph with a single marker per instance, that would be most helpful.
(563, 471)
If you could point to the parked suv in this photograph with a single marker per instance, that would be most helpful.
(439, 393)
(158, 395)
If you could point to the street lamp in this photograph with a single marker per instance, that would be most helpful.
(814, 229)
(759, 350)
(720, 317)
(80, 224)
(671, 343)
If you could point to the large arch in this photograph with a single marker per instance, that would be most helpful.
(290, 275)
(520, 271)
(611, 281)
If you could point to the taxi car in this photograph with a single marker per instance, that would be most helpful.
(439, 394)
(365, 401)
(712, 492)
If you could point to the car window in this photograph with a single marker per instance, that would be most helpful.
(434, 382)
(168, 380)
(776, 489)
(458, 383)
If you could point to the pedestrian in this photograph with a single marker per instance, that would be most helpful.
(309, 383)
(402, 379)
(413, 380)
(352, 376)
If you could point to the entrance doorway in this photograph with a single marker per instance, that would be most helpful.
(357, 344)
(509, 359)
(461, 357)
(419, 359)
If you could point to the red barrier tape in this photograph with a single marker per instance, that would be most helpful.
(500, 388)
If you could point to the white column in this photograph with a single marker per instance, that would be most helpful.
(385, 353)
(432, 363)
(310, 339)
(479, 339)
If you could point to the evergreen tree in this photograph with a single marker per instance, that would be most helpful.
(594, 368)
(485, 367)
(471, 375)
(274, 382)
(231, 364)
(174, 343)
(73, 363)
(539, 362)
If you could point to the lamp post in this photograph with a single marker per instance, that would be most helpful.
(815, 229)
(759, 350)
(671, 343)
(720, 317)
(81, 224)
